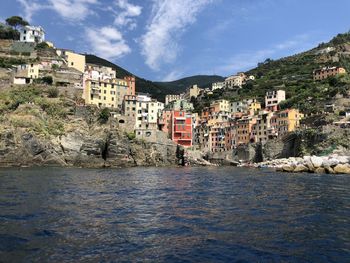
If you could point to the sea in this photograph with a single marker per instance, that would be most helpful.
(187, 214)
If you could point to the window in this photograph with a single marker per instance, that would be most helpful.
(104, 98)
(72, 63)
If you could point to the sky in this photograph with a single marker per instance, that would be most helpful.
(166, 40)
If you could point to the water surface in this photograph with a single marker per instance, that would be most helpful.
(173, 215)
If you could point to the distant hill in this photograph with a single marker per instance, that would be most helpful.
(203, 81)
(157, 89)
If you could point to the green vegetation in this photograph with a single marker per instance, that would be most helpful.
(8, 62)
(7, 32)
(16, 21)
(41, 46)
(294, 74)
(131, 135)
(32, 108)
(104, 115)
(53, 92)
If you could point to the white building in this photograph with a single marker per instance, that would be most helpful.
(32, 34)
(273, 98)
(96, 72)
(217, 85)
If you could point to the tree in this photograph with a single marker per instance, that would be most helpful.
(16, 21)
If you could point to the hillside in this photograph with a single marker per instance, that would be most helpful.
(294, 75)
(157, 89)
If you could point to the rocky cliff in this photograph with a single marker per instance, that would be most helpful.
(36, 130)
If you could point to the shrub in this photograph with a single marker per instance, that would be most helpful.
(104, 115)
(47, 80)
(53, 92)
(131, 135)
(42, 45)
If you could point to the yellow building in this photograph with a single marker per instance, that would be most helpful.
(73, 60)
(288, 120)
(254, 107)
(221, 105)
(24, 74)
(108, 93)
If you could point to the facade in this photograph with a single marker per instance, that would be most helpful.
(172, 97)
(72, 59)
(182, 128)
(273, 98)
(244, 130)
(221, 106)
(24, 74)
(108, 93)
(180, 104)
(262, 129)
(193, 91)
(97, 72)
(32, 34)
(327, 72)
(144, 110)
(217, 85)
(235, 81)
(288, 121)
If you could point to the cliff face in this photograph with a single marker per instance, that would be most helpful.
(39, 130)
(99, 147)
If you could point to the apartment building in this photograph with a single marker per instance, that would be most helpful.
(235, 81)
(274, 98)
(143, 109)
(262, 129)
(172, 97)
(244, 129)
(107, 93)
(288, 121)
(220, 106)
(326, 72)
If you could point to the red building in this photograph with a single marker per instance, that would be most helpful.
(182, 128)
(178, 125)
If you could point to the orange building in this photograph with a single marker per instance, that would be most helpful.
(326, 72)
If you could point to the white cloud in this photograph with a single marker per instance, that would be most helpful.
(107, 42)
(74, 10)
(170, 19)
(246, 60)
(30, 8)
(128, 13)
(173, 75)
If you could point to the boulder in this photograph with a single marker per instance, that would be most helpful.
(288, 168)
(330, 162)
(301, 168)
(320, 170)
(342, 169)
(343, 159)
(329, 170)
(316, 161)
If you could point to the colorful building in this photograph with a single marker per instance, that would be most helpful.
(107, 93)
(326, 72)
(73, 60)
(288, 121)
(274, 98)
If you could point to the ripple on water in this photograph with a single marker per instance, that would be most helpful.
(173, 215)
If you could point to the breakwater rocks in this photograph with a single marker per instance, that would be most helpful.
(332, 164)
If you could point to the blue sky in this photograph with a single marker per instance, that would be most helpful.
(170, 39)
